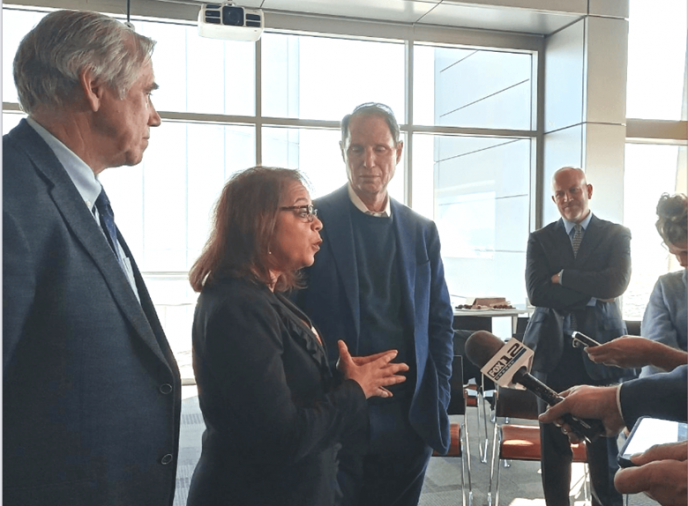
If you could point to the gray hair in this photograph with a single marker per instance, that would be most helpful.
(53, 54)
(372, 109)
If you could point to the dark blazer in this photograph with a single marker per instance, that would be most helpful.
(602, 269)
(332, 299)
(272, 412)
(92, 394)
(662, 395)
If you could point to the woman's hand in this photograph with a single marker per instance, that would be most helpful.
(373, 372)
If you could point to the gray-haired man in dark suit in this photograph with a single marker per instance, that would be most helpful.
(92, 393)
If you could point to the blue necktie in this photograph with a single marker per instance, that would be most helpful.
(107, 221)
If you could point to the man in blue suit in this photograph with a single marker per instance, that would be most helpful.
(91, 390)
(378, 284)
(576, 267)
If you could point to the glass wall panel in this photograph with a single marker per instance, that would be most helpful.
(163, 205)
(317, 154)
(650, 171)
(472, 88)
(200, 75)
(481, 205)
(325, 78)
(657, 59)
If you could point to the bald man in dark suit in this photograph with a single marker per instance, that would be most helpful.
(576, 268)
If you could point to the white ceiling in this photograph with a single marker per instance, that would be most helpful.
(525, 16)
(541, 17)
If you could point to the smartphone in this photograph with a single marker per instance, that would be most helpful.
(580, 339)
(647, 432)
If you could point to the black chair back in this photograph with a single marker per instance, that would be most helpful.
(516, 403)
(457, 401)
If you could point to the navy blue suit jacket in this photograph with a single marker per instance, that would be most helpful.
(331, 299)
(92, 393)
(662, 395)
(601, 269)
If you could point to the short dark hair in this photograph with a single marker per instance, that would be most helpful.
(244, 225)
(672, 218)
(372, 109)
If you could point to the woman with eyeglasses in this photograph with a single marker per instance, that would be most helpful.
(274, 411)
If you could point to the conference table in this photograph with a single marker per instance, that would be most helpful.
(481, 319)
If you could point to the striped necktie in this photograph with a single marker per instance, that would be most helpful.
(107, 222)
(577, 238)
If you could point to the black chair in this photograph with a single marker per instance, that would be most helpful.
(478, 387)
(459, 446)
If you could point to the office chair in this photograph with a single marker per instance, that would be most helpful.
(459, 446)
(519, 442)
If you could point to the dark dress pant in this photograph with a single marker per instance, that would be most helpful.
(392, 471)
(557, 456)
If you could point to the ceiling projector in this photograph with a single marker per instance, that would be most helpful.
(229, 22)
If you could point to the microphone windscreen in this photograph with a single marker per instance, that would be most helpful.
(481, 346)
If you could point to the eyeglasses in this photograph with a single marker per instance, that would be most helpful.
(307, 213)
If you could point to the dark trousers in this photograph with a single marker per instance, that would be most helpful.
(556, 450)
(393, 469)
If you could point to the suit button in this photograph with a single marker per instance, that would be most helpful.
(166, 388)
(166, 459)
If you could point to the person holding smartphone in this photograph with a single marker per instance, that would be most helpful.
(661, 471)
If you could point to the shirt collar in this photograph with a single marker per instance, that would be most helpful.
(81, 174)
(356, 200)
(569, 224)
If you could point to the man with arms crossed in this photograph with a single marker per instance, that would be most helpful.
(576, 267)
(91, 390)
(378, 284)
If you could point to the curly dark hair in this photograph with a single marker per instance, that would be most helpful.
(672, 221)
(244, 225)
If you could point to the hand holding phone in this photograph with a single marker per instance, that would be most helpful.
(580, 339)
(648, 432)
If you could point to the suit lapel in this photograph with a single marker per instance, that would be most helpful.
(591, 239)
(80, 221)
(566, 248)
(339, 233)
(406, 253)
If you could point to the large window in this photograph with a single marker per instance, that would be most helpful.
(656, 90)
(657, 59)
(650, 171)
(470, 141)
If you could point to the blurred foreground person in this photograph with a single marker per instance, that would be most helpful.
(274, 414)
(91, 390)
(662, 470)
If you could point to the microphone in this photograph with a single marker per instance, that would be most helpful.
(508, 364)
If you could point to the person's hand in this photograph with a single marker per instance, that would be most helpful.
(633, 351)
(662, 474)
(373, 372)
(555, 278)
(585, 401)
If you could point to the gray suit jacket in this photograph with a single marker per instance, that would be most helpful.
(92, 393)
(601, 269)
